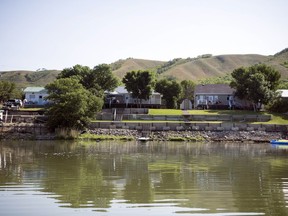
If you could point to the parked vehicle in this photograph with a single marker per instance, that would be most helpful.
(12, 104)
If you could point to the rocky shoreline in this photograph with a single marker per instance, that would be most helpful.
(208, 136)
(31, 132)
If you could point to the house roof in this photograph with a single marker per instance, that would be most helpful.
(283, 92)
(118, 90)
(219, 89)
(35, 90)
(123, 90)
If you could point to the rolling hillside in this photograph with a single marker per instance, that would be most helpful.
(29, 78)
(121, 67)
(202, 68)
(280, 62)
(196, 69)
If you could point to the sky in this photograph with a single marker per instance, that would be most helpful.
(58, 34)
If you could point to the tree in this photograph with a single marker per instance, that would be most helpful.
(170, 90)
(278, 104)
(77, 72)
(77, 95)
(283, 84)
(257, 83)
(8, 90)
(97, 80)
(100, 78)
(140, 84)
(72, 105)
(187, 91)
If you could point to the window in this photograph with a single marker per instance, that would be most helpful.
(31, 96)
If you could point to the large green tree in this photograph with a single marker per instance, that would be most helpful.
(257, 83)
(77, 95)
(170, 90)
(77, 71)
(140, 84)
(72, 105)
(8, 90)
(96, 80)
(104, 77)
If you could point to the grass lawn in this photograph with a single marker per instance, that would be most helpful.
(203, 112)
(276, 118)
(165, 112)
(225, 112)
(28, 109)
(31, 109)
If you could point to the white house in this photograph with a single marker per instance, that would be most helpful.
(122, 98)
(35, 95)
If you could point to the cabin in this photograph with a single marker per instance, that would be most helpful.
(121, 98)
(217, 96)
(35, 96)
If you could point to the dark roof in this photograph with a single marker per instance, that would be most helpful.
(214, 89)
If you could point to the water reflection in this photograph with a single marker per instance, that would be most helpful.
(192, 178)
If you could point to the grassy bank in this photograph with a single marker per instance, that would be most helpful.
(97, 137)
(276, 118)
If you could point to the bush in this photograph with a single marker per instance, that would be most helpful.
(279, 105)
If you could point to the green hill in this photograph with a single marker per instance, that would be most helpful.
(29, 78)
(196, 69)
(205, 66)
(121, 67)
(280, 62)
(213, 66)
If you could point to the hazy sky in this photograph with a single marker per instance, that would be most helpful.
(55, 34)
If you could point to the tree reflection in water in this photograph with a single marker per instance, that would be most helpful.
(236, 177)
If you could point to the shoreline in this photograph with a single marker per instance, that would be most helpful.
(191, 136)
(40, 133)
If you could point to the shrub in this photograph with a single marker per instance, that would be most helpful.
(279, 105)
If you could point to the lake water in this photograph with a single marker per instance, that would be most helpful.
(127, 178)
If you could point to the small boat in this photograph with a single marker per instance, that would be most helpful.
(143, 139)
(279, 142)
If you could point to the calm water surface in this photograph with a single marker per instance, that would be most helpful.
(110, 178)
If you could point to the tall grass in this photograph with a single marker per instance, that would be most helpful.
(66, 133)
(88, 136)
